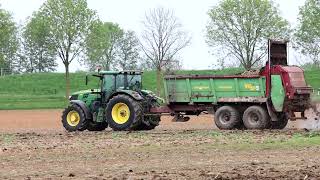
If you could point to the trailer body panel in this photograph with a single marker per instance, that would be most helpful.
(213, 89)
(277, 93)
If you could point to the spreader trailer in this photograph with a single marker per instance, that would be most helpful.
(267, 99)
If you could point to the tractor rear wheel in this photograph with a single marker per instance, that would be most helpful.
(227, 118)
(256, 117)
(150, 122)
(123, 113)
(73, 119)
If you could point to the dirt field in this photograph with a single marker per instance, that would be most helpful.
(33, 145)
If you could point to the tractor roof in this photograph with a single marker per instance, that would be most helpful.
(120, 72)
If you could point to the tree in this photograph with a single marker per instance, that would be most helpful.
(162, 39)
(40, 54)
(68, 21)
(101, 44)
(307, 36)
(128, 51)
(8, 40)
(242, 28)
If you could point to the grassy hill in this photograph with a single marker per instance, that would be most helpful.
(46, 90)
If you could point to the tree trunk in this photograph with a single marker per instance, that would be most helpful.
(67, 77)
(247, 66)
(159, 82)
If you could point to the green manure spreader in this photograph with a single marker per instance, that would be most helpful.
(267, 99)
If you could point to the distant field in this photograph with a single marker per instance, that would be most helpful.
(46, 90)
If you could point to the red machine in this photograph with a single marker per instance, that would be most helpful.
(297, 92)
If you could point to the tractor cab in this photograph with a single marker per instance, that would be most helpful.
(116, 80)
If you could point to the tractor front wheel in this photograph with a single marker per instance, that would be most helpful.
(123, 113)
(73, 119)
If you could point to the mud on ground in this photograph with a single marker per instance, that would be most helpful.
(34, 146)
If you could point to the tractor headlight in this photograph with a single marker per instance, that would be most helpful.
(70, 98)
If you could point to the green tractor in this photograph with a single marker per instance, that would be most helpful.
(119, 103)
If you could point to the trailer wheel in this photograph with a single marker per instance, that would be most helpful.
(256, 117)
(227, 117)
(281, 123)
(73, 119)
(123, 113)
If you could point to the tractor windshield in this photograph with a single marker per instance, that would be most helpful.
(125, 81)
(134, 81)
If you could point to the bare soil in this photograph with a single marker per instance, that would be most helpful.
(33, 145)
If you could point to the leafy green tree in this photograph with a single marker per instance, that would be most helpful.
(240, 29)
(128, 51)
(8, 40)
(307, 36)
(102, 43)
(40, 54)
(69, 22)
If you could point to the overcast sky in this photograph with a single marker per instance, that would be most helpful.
(129, 14)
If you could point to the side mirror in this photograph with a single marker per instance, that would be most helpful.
(87, 80)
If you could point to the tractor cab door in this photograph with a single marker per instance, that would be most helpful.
(109, 84)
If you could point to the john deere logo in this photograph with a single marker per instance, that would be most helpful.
(251, 87)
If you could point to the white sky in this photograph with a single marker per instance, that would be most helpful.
(129, 14)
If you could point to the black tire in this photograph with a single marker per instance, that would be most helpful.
(227, 118)
(151, 123)
(92, 126)
(135, 113)
(256, 117)
(143, 127)
(281, 123)
(80, 124)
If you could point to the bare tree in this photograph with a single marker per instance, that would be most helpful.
(162, 39)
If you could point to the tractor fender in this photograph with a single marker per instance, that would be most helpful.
(133, 94)
(84, 107)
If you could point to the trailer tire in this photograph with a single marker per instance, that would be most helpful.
(227, 118)
(73, 119)
(281, 123)
(256, 117)
(123, 113)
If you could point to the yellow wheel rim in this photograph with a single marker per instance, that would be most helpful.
(73, 118)
(120, 113)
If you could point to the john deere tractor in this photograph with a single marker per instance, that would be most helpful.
(119, 103)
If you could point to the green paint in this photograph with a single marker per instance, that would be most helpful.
(113, 83)
(277, 92)
(211, 89)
